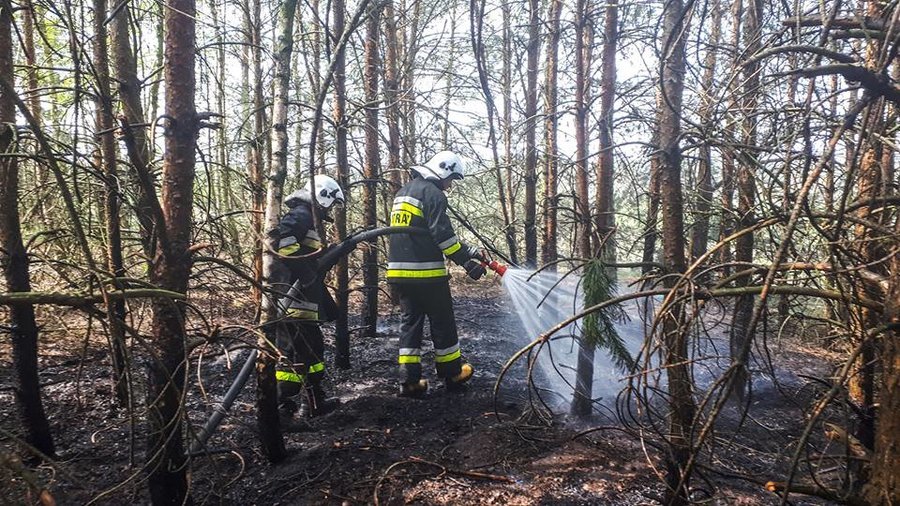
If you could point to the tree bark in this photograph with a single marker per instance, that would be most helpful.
(746, 186)
(509, 211)
(668, 134)
(172, 266)
(14, 259)
(342, 329)
(606, 218)
(371, 173)
(267, 397)
(133, 131)
(551, 120)
(703, 202)
(533, 50)
(106, 156)
(582, 401)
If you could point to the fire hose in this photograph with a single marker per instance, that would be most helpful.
(325, 260)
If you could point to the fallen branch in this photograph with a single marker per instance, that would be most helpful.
(79, 300)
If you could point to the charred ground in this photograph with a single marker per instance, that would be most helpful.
(377, 448)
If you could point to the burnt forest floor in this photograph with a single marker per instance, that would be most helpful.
(447, 448)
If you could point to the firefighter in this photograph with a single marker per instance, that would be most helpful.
(304, 303)
(418, 272)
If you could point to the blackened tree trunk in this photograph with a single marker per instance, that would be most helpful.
(533, 49)
(14, 259)
(342, 329)
(551, 120)
(680, 387)
(582, 401)
(172, 265)
(112, 202)
(371, 172)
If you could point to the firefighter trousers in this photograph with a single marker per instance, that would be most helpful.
(303, 348)
(433, 301)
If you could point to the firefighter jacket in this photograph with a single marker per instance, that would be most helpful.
(304, 289)
(420, 258)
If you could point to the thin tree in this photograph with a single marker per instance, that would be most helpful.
(675, 359)
(22, 327)
(582, 401)
(106, 159)
(342, 329)
(551, 121)
(605, 221)
(266, 395)
(371, 171)
(172, 266)
(531, 92)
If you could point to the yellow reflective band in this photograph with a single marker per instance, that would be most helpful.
(447, 358)
(289, 376)
(288, 250)
(312, 243)
(317, 367)
(452, 249)
(409, 359)
(302, 314)
(428, 273)
(406, 206)
(400, 219)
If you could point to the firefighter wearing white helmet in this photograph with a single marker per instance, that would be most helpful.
(418, 271)
(303, 302)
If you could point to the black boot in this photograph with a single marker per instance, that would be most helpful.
(316, 403)
(288, 417)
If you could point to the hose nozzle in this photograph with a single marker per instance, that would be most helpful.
(499, 268)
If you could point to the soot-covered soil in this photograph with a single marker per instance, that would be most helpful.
(447, 448)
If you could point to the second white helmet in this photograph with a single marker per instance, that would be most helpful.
(443, 165)
(327, 193)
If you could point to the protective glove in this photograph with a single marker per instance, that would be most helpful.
(474, 269)
(481, 254)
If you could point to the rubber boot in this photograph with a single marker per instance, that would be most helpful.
(457, 383)
(316, 403)
(415, 389)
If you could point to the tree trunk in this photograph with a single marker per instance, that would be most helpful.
(531, 92)
(342, 329)
(668, 134)
(256, 164)
(392, 97)
(551, 120)
(582, 401)
(133, 132)
(746, 168)
(172, 266)
(14, 259)
(509, 212)
(703, 202)
(267, 397)
(107, 161)
(371, 172)
(605, 219)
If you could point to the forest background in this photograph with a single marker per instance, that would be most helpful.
(735, 153)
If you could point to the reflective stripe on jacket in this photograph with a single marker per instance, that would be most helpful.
(420, 258)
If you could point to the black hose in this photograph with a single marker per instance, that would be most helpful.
(222, 409)
(333, 254)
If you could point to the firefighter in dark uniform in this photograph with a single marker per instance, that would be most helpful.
(418, 272)
(305, 303)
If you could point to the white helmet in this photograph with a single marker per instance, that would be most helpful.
(444, 165)
(328, 191)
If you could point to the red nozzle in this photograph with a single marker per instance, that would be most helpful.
(500, 269)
